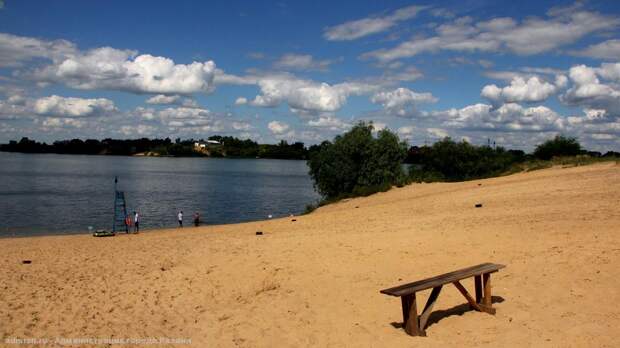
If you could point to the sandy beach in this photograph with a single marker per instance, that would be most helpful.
(315, 281)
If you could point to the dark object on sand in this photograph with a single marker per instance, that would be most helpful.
(294, 220)
(103, 233)
(479, 205)
(259, 233)
(415, 324)
(26, 262)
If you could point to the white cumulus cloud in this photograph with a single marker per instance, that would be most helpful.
(305, 96)
(277, 127)
(533, 35)
(61, 62)
(72, 107)
(241, 126)
(402, 101)
(303, 62)
(16, 50)
(531, 90)
(437, 133)
(163, 99)
(609, 49)
(595, 88)
(371, 25)
(329, 122)
(509, 117)
(406, 132)
(114, 69)
(61, 123)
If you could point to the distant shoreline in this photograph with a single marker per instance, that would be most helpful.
(215, 146)
(142, 154)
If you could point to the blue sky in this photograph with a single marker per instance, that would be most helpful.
(517, 72)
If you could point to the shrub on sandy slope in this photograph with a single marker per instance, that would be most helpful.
(447, 160)
(357, 163)
(558, 146)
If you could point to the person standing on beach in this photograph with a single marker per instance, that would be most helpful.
(136, 222)
(180, 216)
(196, 219)
(127, 223)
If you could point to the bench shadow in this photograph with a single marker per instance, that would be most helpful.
(438, 315)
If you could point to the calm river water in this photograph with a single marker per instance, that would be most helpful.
(57, 194)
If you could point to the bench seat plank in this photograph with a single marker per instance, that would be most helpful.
(411, 288)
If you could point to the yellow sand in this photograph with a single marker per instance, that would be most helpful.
(316, 281)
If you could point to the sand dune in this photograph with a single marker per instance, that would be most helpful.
(316, 281)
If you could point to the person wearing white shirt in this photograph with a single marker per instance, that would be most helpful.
(136, 222)
(180, 216)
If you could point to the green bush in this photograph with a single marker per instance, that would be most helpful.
(357, 163)
(447, 160)
(364, 191)
(420, 175)
(537, 165)
(558, 146)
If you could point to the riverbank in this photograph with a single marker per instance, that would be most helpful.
(215, 147)
(315, 281)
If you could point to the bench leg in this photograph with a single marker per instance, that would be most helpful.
(428, 308)
(487, 305)
(472, 303)
(410, 315)
(478, 285)
(406, 301)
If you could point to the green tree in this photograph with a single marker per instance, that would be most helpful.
(452, 161)
(558, 146)
(357, 162)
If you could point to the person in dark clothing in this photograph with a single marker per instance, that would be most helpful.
(196, 219)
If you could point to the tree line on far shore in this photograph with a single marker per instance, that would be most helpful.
(357, 163)
(225, 147)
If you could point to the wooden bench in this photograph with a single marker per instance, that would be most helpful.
(415, 325)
